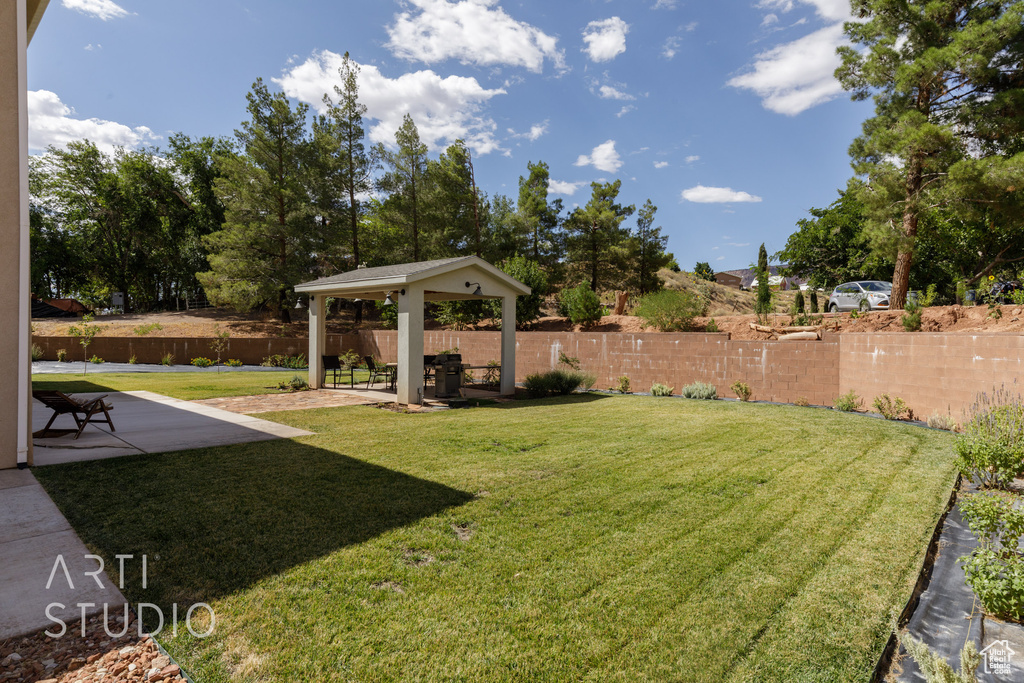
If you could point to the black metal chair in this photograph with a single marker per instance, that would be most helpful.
(428, 369)
(333, 365)
(376, 371)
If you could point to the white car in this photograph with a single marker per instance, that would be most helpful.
(864, 295)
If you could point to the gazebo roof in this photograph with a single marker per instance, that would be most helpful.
(437, 276)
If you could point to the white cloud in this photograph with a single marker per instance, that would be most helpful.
(796, 76)
(671, 47)
(51, 122)
(692, 158)
(625, 110)
(472, 31)
(665, 4)
(714, 248)
(563, 187)
(444, 109)
(608, 92)
(738, 244)
(101, 9)
(605, 39)
(720, 258)
(769, 19)
(717, 195)
(660, 164)
(536, 130)
(691, 27)
(603, 158)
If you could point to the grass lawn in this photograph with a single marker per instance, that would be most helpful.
(583, 538)
(184, 385)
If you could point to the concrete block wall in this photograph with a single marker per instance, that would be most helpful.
(932, 372)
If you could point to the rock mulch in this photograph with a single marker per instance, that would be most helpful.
(37, 658)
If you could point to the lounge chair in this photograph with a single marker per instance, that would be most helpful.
(63, 404)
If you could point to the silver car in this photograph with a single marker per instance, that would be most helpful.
(865, 295)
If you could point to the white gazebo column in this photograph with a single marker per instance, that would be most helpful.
(508, 345)
(317, 338)
(410, 345)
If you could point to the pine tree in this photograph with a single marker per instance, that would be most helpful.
(595, 236)
(647, 252)
(764, 294)
(405, 180)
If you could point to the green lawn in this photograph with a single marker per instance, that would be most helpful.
(585, 538)
(184, 385)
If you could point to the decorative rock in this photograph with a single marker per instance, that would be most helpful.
(161, 661)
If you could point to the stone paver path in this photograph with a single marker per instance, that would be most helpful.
(299, 400)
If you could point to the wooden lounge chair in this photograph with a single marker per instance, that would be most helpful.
(63, 404)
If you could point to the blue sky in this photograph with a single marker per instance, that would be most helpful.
(725, 114)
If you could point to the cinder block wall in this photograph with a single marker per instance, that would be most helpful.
(932, 372)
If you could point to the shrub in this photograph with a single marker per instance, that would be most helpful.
(459, 315)
(742, 390)
(798, 303)
(699, 390)
(62, 356)
(530, 274)
(661, 389)
(557, 381)
(296, 383)
(132, 360)
(915, 303)
(937, 421)
(143, 330)
(849, 402)
(388, 315)
(892, 408)
(350, 359)
(37, 352)
(802, 402)
(814, 301)
(280, 361)
(995, 568)
(233, 363)
(703, 271)
(912, 321)
(672, 310)
(990, 449)
(935, 667)
(712, 326)
(623, 386)
(202, 362)
(581, 305)
(572, 361)
(168, 359)
(95, 359)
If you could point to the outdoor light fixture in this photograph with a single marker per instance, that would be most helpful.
(298, 304)
(388, 301)
(477, 291)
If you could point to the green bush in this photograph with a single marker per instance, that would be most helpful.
(581, 305)
(168, 359)
(742, 391)
(388, 315)
(37, 352)
(143, 330)
(798, 303)
(95, 359)
(530, 274)
(990, 449)
(350, 359)
(133, 360)
(892, 408)
(672, 310)
(995, 568)
(814, 301)
(557, 381)
(712, 326)
(849, 402)
(699, 390)
(291, 362)
(202, 362)
(459, 315)
(62, 356)
(623, 385)
(661, 389)
(296, 383)
(233, 363)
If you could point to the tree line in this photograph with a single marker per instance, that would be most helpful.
(293, 196)
(938, 192)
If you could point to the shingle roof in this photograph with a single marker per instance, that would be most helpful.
(385, 272)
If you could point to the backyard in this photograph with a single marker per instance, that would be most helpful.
(590, 537)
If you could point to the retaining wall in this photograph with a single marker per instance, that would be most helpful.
(932, 372)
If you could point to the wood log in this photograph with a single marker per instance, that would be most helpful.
(802, 328)
(799, 336)
(621, 298)
(761, 328)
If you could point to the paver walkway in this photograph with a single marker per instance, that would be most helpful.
(298, 400)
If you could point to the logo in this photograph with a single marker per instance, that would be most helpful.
(997, 657)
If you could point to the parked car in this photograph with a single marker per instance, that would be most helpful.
(865, 295)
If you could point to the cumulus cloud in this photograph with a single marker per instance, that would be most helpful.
(796, 76)
(660, 164)
(51, 122)
(692, 158)
(444, 109)
(101, 9)
(625, 110)
(603, 158)
(671, 47)
(605, 39)
(717, 195)
(563, 187)
(665, 4)
(608, 92)
(472, 31)
(720, 258)
(535, 132)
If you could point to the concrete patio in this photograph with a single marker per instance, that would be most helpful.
(146, 422)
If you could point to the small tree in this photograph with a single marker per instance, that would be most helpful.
(764, 294)
(582, 304)
(219, 343)
(703, 271)
(85, 332)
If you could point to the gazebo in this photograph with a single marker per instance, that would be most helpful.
(411, 285)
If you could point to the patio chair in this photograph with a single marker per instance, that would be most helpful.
(63, 404)
(376, 371)
(333, 365)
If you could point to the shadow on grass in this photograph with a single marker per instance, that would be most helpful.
(76, 386)
(215, 521)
